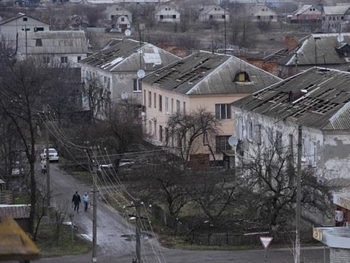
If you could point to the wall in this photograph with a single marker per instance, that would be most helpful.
(338, 255)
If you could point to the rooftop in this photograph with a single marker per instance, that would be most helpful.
(317, 98)
(336, 237)
(15, 211)
(211, 73)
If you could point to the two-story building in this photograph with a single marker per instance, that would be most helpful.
(53, 47)
(334, 16)
(115, 67)
(203, 80)
(318, 100)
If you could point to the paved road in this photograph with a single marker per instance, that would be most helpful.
(114, 248)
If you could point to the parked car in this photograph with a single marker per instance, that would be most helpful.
(53, 155)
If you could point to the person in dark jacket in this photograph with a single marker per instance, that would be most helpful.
(76, 201)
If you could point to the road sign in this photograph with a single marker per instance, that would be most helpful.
(266, 241)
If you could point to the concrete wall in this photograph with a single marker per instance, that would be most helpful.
(339, 255)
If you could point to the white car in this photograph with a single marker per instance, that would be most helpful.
(53, 155)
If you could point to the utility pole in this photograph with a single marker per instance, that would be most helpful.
(47, 159)
(94, 205)
(137, 206)
(298, 205)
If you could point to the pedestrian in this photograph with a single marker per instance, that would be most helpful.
(43, 166)
(76, 201)
(86, 200)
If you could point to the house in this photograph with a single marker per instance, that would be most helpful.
(53, 47)
(326, 50)
(334, 16)
(307, 14)
(167, 13)
(213, 13)
(261, 13)
(21, 23)
(201, 80)
(20, 213)
(317, 100)
(115, 67)
(115, 11)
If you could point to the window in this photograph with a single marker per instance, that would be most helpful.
(160, 102)
(184, 107)
(78, 58)
(174, 16)
(64, 60)
(38, 29)
(161, 17)
(240, 128)
(172, 105)
(257, 133)
(223, 17)
(149, 99)
(46, 59)
(155, 100)
(271, 17)
(166, 105)
(144, 97)
(221, 143)
(250, 131)
(38, 42)
(242, 77)
(223, 111)
(149, 127)
(177, 106)
(258, 17)
(122, 19)
(155, 128)
(160, 133)
(137, 85)
(25, 19)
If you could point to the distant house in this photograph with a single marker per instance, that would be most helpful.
(201, 80)
(20, 213)
(262, 13)
(115, 11)
(316, 99)
(167, 13)
(115, 68)
(326, 50)
(122, 23)
(21, 23)
(63, 47)
(306, 14)
(213, 13)
(334, 16)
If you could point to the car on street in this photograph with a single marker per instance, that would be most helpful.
(53, 155)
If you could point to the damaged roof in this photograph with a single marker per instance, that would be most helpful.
(322, 46)
(52, 42)
(209, 73)
(317, 97)
(122, 55)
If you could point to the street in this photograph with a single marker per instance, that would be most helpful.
(115, 248)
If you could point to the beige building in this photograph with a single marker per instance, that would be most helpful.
(202, 80)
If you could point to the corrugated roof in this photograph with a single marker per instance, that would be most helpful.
(325, 105)
(302, 9)
(52, 42)
(124, 55)
(208, 73)
(325, 46)
(15, 211)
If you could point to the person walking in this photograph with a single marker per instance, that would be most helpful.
(86, 200)
(76, 201)
(43, 166)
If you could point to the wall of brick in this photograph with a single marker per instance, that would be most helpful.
(338, 255)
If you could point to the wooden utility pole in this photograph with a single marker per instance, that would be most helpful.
(138, 233)
(298, 204)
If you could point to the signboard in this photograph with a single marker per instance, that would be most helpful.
(341, 201)
(266, 241)
(317, 234)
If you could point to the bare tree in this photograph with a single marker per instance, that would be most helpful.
(191, 127)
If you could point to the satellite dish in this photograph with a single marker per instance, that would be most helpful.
(233, 141)
(124, 95)
(127, 32)
(141, 73)
(340, 38)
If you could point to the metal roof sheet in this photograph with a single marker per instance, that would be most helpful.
(122, 55)
(317, 97)
(15, 211)
(208, 73)
(19, 16)
(336, 10)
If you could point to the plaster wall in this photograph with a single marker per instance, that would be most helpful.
(339, 255)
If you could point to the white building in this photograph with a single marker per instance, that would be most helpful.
(334, 16)
(115, 11)
(167, 13)
(318, 100)
(214, 13)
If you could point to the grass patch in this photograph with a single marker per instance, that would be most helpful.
(49, 247)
